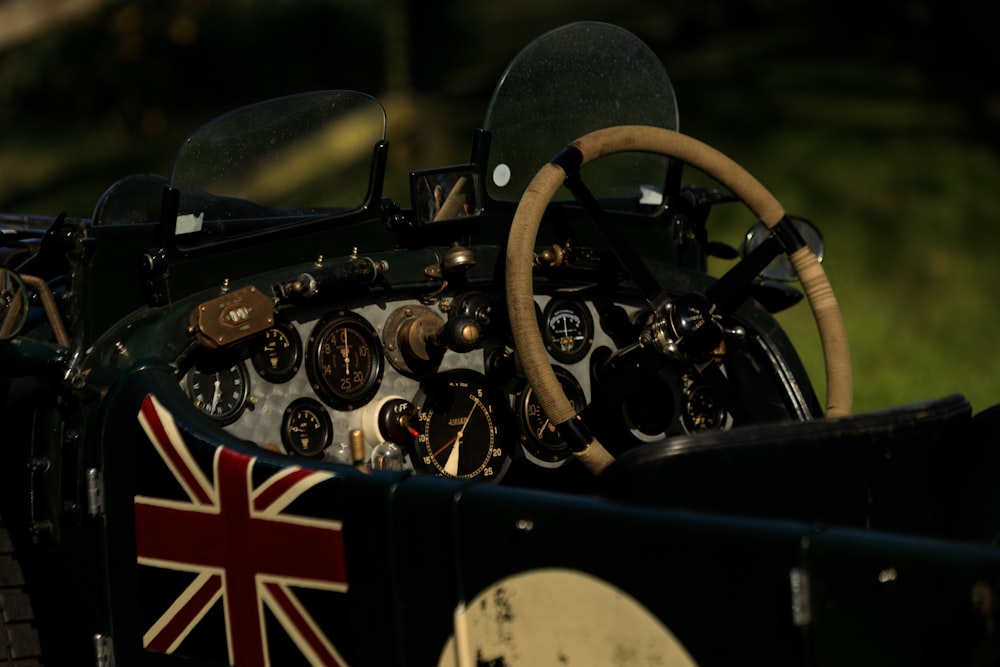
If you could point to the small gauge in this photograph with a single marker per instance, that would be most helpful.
(219, 388)
(306, 429)
(703, 411)
(567, 330)
(277, 353)
(538, 434)
(464, 424)
(345, 360)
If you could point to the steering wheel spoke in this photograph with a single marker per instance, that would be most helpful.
(630, 261)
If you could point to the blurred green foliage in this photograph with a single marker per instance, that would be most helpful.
(878, 121)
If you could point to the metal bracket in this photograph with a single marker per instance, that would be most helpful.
(95, 493)
(104, 651)
(232, 317)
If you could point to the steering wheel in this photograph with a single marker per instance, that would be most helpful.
(520, 254)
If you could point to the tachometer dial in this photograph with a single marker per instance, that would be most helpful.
(345, 360)
(538, 434)
(277, 353)
(463, 427)
(567, 330)
(219, 388)
(306, 428)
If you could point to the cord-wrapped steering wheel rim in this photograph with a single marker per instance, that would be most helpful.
(641, 138)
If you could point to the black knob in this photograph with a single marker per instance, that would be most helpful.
(696, 325)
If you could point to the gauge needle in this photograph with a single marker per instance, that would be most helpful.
(345, 352)
(218, 392)
(451, 465)
(444, 446)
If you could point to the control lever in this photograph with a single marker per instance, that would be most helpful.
(416, 337)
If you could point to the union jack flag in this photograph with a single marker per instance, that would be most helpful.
(235, 539)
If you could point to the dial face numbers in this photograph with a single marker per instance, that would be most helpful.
(463, 426)
(345, 361)
(277, 353)
(538, 434)
(567, 330)
(219, 388)
(306, 429)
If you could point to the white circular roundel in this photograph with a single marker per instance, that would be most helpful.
(559, 617)
(501, 175)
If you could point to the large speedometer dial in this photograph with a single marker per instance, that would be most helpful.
(464, 427)
(345, 360)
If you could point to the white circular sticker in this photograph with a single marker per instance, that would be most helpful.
(501, 175)
(559, 617)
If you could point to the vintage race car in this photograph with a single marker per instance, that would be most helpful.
(255, 413)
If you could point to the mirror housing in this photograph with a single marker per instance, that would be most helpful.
(781, 268)
(446, 195)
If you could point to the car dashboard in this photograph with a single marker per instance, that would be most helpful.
(418, 371)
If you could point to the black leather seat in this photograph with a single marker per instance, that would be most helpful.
(900, 469)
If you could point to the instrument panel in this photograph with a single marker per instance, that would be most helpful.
(313, 382)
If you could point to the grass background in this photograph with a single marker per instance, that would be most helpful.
(877, 121)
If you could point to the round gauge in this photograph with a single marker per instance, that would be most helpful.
(219, 388)
(277, 353)
(464, 424)
(345, 360)
(567, 330)
(306, 428)
(538, 434)
(703, 411)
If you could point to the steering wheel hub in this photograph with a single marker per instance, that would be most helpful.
(689, 327)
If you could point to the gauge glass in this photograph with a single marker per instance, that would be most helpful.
(219, 388)
(703, 411)
(539, 435)
(278, 353)
(567, 330)
(463, 427)
(345, 361)
(306, 429)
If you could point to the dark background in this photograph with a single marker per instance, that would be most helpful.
(880, 121)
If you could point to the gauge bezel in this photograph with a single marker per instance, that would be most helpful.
(527, 410)
(578, 308)
(259, 356)
(209, 366)
(326, 425)
(328, 392)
